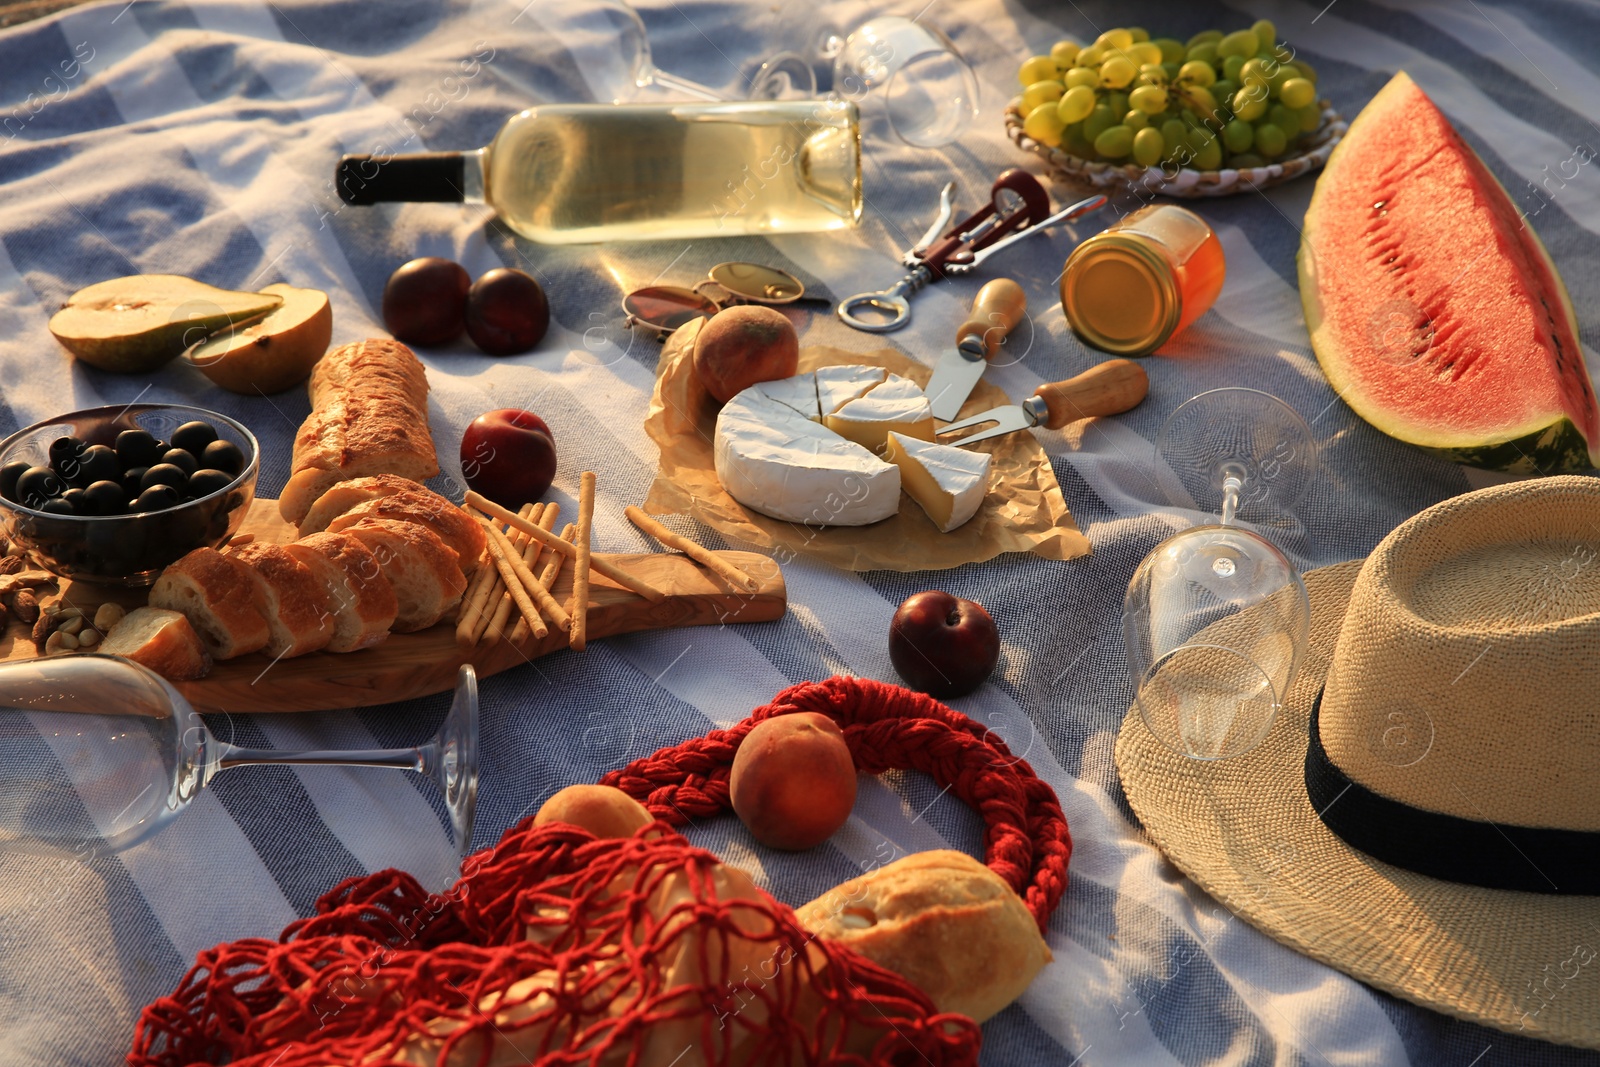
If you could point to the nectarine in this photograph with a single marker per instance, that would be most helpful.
(743, 345)
(793, 782)
(603, 810)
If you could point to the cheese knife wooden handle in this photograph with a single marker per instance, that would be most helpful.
(995, 313)
(1109, 388)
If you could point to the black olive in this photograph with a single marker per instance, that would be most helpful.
(165, 474)
(63, 450)
(180, 458)
(223, 456)
(193, 437)
(131, 478)
(157, 498)
(37, 485)
(106, 498)
(9, 475)
(79, 501)
(136, 448)
(205, 482)
(58, 506)
(95, 463)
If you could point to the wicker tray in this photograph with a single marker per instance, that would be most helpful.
(1114, 177)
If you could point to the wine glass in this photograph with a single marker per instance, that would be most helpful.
(609, 46)
(930, 92)
(1216, 617)
(98, 753)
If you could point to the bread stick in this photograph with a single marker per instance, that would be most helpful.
(552, 569)
(599, 563)
(693, 549)
(472, 604)
(503, 554)
(581, 562)
(524, 579)
(493, 626)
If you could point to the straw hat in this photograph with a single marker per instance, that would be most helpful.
(1439, 835)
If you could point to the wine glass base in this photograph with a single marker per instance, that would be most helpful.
(1243, 436)
(457, 768)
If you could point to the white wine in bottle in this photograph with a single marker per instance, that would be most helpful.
(577, 173)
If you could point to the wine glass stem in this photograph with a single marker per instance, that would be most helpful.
(1232, 486)
(405, 759)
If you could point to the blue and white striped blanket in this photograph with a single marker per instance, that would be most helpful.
(199, 138)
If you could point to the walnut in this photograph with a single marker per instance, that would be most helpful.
(26, 605)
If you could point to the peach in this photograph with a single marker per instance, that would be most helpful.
(743, 345)
(793, 781)
(603, 810)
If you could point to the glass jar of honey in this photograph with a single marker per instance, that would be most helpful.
(1129, 288)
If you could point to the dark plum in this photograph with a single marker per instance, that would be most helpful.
(507, 312)
(223, 456)
(424, 302)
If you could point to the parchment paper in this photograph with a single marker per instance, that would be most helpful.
(1023, 512)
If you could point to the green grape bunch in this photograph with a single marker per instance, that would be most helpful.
(1218, 100)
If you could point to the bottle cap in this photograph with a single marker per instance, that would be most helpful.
(429, 177)
(1121, 295)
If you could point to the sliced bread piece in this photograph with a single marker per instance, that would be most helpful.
(213, 591)
(346, 495)
(160, 639)
(364, 606)
(291, 599)
(422, 570)
(455, 527)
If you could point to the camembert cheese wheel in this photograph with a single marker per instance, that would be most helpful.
(802, 448)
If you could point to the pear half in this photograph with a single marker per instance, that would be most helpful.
(274, 353)
(136, 324)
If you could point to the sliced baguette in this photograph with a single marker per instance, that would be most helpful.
(364, 605)
(423, 506)
(291, 599)
(213, 591)
(346, 495)
(160, 639)
(422, 570)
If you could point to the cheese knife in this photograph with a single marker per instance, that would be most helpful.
(1109, 388)
(995, 313)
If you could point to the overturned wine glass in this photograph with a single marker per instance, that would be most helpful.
(1216, 618)
(98, 753)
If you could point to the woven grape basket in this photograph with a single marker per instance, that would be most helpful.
(1310, 155)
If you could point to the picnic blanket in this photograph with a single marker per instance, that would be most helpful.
(199, 138)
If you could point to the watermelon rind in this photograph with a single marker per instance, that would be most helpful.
(1550, 444)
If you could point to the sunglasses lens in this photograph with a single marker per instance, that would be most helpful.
(666, 307)
(751, 281)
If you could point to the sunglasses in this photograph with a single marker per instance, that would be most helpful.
(661, 309)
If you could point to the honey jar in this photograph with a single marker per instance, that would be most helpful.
(1131, 287)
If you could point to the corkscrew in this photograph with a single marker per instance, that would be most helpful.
(1018, 207)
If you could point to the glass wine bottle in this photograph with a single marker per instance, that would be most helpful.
(580, 173)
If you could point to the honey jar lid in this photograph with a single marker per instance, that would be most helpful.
(1120, 294)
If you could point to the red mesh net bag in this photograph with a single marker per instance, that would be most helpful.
(557, 948)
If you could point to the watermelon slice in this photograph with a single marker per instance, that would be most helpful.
(1433, 308)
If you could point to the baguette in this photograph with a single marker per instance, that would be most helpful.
(297, 609)
(213, 591)
(426, 508)
(369, 415)
(422, 570)
(345, 495)
(160, 639)
(363, 604)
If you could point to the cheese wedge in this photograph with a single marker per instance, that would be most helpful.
(950, 483)
(774, 460)
(799, 392)
(896, 406)
(837, 386)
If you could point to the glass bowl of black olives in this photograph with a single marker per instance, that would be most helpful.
(114, 494)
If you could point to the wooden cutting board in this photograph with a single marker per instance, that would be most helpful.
(417, 664)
